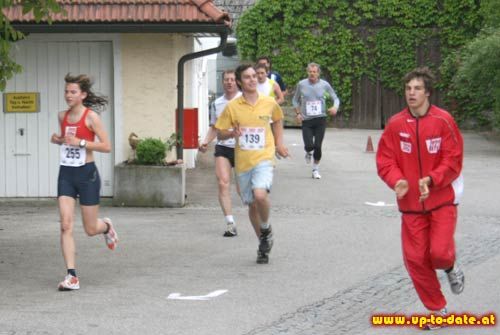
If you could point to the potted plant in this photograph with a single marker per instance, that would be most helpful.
(148, 180)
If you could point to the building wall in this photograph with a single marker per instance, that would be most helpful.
(137, 72)
(29, 163)
(149, 83)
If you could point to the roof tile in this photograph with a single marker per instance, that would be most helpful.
(137, 11)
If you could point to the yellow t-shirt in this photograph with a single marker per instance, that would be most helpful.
(257, 142)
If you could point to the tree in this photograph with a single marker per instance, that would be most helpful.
(41, 9)
(474, 72)
(475, 87)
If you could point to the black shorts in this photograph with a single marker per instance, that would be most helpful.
(82, 181)
(223, 151)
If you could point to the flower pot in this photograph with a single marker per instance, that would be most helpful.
(149, 185)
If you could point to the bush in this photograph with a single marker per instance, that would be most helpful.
(151, 151)
(475, 87)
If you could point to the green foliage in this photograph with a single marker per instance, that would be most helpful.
(490, 10)
(174, 140)
(151, 151)
(356, 38)
(476, 83)
(41, 10)
(391, 63)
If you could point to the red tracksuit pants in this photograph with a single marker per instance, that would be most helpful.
(428, 245)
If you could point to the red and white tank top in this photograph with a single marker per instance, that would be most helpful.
(78, 129)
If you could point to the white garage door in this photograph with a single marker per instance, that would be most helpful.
(29, 163)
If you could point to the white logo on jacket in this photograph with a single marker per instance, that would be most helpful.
(406, 147)
(433, 145)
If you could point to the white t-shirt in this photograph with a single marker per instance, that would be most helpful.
(266, 88)
(216, 109)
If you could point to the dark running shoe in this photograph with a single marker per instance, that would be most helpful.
(266, 240)
(262, 258)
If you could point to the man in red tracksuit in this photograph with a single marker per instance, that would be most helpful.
(420, 156)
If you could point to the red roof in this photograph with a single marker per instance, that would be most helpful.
(133, 11)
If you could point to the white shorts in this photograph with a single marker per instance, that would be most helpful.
(260, 176)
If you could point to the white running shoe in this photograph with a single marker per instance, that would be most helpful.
(111, 237)
(308, 157)
(69, 283)
(316, 174)
(457, 279)
(230, 230)
(433, 326)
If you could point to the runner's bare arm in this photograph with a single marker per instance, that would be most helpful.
(211, 135)
(104, 145)
(224, 134)
(58, 139)
(278, 138)
(280, 98)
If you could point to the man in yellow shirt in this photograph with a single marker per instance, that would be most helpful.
(247, 119)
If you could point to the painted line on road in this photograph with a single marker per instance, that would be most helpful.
(214, 294)
(379, 204)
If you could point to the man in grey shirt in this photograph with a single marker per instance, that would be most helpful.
(310, 101)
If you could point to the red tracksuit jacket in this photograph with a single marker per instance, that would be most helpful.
(411, 148)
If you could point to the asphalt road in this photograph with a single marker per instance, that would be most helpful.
(335, 263)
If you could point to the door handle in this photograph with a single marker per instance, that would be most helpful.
(21, 131)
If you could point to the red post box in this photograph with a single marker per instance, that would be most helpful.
(190, 129)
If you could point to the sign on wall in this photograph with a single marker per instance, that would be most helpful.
(21, 102)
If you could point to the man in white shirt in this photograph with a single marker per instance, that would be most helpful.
(224, 150)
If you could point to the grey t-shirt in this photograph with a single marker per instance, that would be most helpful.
(311, 98)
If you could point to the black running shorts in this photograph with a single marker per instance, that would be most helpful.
(223, 151)
(82, 181)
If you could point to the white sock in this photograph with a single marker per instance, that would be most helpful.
(229, 219)
(264, 225)
(315, 166)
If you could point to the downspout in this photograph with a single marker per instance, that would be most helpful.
(180, 85)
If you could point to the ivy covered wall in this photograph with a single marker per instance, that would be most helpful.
(352, 39)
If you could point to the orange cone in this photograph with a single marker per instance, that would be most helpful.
(369, 145)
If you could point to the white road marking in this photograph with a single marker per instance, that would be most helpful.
(378, 204)
(178, 296)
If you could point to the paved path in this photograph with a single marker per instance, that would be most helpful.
(336, 260)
